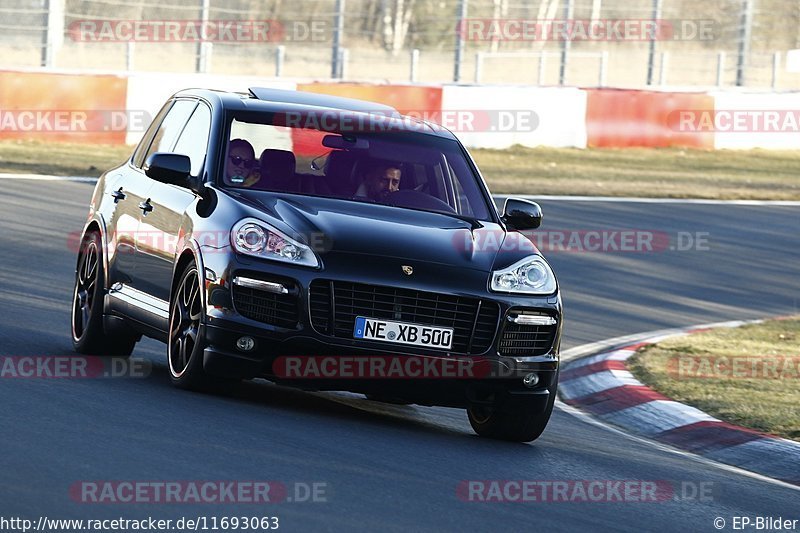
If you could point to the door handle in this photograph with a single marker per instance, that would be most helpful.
(118, 195)
(146, 207)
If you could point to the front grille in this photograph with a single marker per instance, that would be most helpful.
(526, 340)
(320, 306)
(336, 304)
(275, 309)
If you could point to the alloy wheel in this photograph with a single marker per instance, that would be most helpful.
(184, 323)
(85, 287)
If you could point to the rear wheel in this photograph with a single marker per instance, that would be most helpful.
(88, 335)
(186, 338)
(516, 420)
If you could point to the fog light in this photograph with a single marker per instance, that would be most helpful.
(245, 344)
(531, 380)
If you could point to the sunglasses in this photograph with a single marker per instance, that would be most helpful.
(240, 161)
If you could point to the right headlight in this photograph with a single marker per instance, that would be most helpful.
(257, 238)
(531, 275)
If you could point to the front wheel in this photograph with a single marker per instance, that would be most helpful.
(516, 420)
(186, 338)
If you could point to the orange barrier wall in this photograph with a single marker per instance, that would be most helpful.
(63, 107)
(407, 99)
(93, 109)
(624, 118)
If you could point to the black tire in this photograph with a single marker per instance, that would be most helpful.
(88, 334)
(514, 420)
(187, 339)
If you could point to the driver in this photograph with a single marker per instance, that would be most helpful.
(381, 180)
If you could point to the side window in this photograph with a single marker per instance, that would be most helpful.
(144, 144)
(171, 127)
(194, 139)
(421, 178)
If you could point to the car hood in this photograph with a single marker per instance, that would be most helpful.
(336, 226)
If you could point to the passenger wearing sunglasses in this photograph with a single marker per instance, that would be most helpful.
(241, 167)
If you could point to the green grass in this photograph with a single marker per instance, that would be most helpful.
(60, 159)
(665, 172)
(699, 370)
(657, 172)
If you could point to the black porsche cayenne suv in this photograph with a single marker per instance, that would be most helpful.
(324, 243)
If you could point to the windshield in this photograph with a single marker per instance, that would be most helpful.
(404, 169)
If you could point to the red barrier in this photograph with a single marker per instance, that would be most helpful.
(404, 98)
(624, 118)
(63, 107)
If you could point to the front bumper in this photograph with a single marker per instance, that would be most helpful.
(500, 378)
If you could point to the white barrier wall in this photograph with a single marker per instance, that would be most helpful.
(756, 120)
(502, 116)
(147, 92)
(529, 116)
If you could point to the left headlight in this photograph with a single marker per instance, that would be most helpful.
(532, 275)
(257, 238)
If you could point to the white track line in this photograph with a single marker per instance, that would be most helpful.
(555, 198)
(626, 340)
(589, 419)
(654, 336)
(626, 199)
(46, 177)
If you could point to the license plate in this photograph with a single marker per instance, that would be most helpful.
(403, 333)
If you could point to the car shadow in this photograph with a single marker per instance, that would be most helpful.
(349, 407)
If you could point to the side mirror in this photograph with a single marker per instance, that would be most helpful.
(168, 168)
(520, 215)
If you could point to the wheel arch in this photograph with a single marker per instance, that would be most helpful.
(190, 254)
(95, 225)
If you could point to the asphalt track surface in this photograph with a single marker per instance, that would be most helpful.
(385, 467)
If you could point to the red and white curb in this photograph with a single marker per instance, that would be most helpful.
(601, 385)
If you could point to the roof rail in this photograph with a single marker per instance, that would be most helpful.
(322, 100)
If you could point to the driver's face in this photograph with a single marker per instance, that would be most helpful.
(385, 183)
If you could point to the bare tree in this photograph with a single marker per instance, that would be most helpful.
(396, 19)
(499, 11)
(547, 11)
(596, 7)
